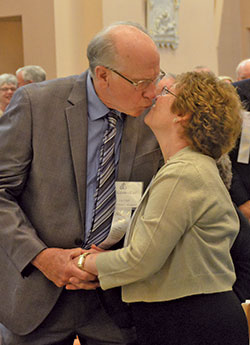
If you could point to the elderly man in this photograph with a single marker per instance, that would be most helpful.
(243, 70)
(30, 74)
(55, 140)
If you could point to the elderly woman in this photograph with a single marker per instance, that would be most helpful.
(175, 270)
(8, 85)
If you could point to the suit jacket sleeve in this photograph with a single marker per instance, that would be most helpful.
(18, 237)
(240, 253)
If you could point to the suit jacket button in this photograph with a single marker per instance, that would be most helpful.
(78, 241)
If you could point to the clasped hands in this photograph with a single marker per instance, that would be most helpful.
(60, 266)
(89, 281)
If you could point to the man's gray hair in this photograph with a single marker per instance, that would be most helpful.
(32, 73)
(240, 65)
(8, 78)
(224, 166)
(101, 50)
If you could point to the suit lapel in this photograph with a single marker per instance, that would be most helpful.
(77, 121)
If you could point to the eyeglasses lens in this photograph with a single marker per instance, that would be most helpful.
(5, 89)
(143, 85)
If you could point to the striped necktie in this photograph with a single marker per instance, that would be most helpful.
(104, 202)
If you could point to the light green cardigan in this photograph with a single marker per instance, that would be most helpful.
(180, 236)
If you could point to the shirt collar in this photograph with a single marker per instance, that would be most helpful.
(96, 108)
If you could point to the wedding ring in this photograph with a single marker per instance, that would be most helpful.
(81, 260)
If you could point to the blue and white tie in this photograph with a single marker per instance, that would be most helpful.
(104, 202)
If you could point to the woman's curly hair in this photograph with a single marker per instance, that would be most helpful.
(215, 110)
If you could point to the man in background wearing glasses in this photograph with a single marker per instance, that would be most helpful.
(8, 85)
(50, 141)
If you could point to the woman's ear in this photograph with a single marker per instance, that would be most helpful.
(183, 118)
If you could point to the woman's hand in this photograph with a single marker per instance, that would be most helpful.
(90, 280)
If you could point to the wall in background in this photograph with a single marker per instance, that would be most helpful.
(76, 22)
(229, 44)
(38, 31)
(55, 33)
(197, 44)
(11, 55)
(245, 28)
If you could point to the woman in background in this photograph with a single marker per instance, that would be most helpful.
(8, 85)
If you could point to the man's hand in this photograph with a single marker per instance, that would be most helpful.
(245, 209)
(58, 266)
(89, 282)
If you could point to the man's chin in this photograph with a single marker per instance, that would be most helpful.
(139, 112)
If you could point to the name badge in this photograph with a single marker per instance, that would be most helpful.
(128, 196)
(244, 148)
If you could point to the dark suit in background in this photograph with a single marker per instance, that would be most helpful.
(240, 188)
(240, 252)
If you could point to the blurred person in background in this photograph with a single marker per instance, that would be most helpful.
(30, 74)
(167, 81)
(8, 85)
(202, 68)
(240, 187)
(240, 250)
(243, 70)
(226, 78)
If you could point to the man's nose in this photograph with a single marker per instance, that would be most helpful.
(150, 92)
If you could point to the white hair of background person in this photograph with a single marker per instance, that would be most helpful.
(32, 73)
(7, 78)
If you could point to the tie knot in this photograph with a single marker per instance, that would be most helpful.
(112, 119)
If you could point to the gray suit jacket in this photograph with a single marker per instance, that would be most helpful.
(43, 146)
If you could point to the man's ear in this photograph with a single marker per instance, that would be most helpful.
(102, 75)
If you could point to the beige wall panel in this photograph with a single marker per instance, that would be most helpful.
(38, 30)
(197, 44)
(75, 24)
(245, 28)
(93, 23)
(116, 10)
(196, 30)
(39, 35)
(229, 43)
(11, 43)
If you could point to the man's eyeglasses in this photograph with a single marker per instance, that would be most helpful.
(5, 89)
(165, 91)
(141, 84)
